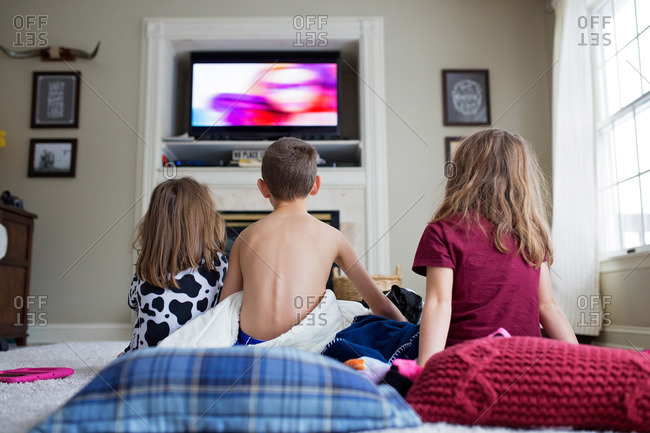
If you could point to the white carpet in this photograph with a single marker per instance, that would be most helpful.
(22, 405)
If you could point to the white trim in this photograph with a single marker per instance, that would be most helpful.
(626, 263)
(373, 133)
(57, 332)
(618, 336)
(164, 38)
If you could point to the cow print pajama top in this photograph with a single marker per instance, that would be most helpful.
(159, 312)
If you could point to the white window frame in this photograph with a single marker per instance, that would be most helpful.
(608, 121)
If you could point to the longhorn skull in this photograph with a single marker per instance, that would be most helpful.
(52, 53)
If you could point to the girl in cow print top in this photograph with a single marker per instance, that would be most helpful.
(182, 236)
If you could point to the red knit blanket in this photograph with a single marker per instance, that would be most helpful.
(531, 382)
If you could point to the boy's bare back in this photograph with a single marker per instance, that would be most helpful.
(282, 262)
(286, 259)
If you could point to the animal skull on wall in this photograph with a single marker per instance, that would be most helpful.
(52, 53)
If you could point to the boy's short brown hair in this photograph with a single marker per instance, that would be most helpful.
(289, 168)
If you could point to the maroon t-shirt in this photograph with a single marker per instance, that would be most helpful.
(491, 289)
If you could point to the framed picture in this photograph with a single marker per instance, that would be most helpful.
(451, 143)
(52, 157)
(466, 97)
(450, 146)
(55, 100)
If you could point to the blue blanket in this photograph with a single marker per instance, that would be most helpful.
(375, 337)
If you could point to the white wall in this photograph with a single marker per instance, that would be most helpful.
(509, 37)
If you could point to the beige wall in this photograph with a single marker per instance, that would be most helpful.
(511, 38)
(625, 298)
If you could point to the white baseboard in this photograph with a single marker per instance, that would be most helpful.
(625, 337)
(57, 332)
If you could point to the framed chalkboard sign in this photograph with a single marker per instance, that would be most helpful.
(466, 97)
(55, 100)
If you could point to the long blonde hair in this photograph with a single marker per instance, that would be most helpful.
(180, 230)
(496, 175)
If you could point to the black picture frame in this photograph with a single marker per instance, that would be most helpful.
(55, 99)
(450, 146)
(466, 97)
(52, 157)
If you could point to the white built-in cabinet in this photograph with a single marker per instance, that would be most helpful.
(359, 192)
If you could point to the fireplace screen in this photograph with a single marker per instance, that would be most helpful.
(237, 221)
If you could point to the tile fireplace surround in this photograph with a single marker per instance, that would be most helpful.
(359, 193)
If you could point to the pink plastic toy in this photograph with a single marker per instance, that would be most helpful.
(33, 374)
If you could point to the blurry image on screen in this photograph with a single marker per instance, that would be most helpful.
(258, 94)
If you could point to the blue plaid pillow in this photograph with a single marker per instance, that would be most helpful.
(233, 390)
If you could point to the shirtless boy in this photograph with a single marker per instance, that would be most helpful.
(287, 255)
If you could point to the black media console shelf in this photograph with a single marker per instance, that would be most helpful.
(187, 152)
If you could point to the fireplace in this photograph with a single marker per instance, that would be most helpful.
(237, 221)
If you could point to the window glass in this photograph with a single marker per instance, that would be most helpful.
(629, 73)
(644, 49)
(643, 137)
(630, 213)
(645, 193)
(625, 145)
(625, 22)
(642, 14)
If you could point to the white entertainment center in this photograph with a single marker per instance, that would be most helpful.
(358, 189)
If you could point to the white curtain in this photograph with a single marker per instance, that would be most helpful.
(575, 272)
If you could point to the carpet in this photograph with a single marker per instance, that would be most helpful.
(22, 405)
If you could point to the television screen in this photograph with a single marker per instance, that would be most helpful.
(242, 94)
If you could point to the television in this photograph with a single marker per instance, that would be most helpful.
(264, 95)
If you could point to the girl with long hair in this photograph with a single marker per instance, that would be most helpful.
(181, 263)
(487, 250)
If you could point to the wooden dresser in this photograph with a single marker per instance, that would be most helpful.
(14, 273)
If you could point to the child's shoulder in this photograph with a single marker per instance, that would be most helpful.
(459, 221)
(448, 223)
(326, 229)
(458, 227)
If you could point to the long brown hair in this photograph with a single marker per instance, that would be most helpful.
(496, 175)
(180, 230)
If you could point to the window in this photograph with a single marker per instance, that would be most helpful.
(621, 66)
